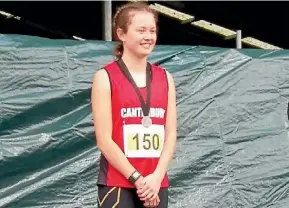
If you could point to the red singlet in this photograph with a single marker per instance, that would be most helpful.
(142, 146)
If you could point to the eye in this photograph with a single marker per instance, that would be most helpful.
(141, 30)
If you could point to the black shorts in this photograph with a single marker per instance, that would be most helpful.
(115, 197)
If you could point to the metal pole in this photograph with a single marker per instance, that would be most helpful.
(239, 39)
(107, 20)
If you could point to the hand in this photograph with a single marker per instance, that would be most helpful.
(153, 203)
(139, 182)
(149, 190)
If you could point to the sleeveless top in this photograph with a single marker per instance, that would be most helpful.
(142, 146)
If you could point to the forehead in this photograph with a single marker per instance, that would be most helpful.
(142, 19)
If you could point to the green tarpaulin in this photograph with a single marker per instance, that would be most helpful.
(233, 143)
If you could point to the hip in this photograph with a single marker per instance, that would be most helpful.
(113, 196)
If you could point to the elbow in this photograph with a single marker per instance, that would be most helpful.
(101, 143)
(100, 147)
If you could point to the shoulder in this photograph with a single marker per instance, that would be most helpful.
(110, 66)
(101, 79)
(157, 67)
(171, 82)
(169, 76)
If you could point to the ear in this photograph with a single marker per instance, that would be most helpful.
(120, 34)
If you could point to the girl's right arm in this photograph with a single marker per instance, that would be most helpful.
(101, 112)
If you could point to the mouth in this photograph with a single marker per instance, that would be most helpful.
(146, 45)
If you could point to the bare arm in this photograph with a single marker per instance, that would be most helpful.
(101, 112)
(170, 130)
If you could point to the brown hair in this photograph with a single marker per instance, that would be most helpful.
(122, 20)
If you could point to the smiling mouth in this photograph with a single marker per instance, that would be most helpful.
(146, 45)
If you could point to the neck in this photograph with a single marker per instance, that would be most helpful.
(133, 63)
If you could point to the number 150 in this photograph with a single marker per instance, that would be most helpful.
(148, 141)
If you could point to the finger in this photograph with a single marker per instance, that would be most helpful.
(149, 204)
(146, 204)
(145, 193)
(144, 198)
(158, 200)
(152, 204)
(155, 196)
(139, 188)
(144, 188)
(150, 196)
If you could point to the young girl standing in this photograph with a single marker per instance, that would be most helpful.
(134, 112)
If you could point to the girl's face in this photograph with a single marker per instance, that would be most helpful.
(141, 34)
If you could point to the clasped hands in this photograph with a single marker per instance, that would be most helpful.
(148, 190)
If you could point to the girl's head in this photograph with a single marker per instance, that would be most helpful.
(135, 26)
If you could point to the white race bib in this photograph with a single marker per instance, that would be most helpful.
(141, 142)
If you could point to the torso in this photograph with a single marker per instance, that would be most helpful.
(142, 146)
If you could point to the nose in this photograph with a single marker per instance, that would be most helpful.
(148, 35)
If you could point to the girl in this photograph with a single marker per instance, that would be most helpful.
(134, 112)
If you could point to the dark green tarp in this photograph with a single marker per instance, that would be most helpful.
(233, 143)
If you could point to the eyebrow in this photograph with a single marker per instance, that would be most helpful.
(139, 27)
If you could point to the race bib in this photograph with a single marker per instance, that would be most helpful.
(141, 142)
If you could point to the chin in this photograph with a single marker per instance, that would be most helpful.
(145, 52)
(143, 55)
